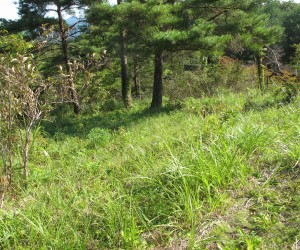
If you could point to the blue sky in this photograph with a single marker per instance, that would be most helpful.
(8, 9)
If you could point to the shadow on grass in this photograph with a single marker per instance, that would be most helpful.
(67, 123)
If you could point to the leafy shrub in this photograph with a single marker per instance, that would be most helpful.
(111, 105)
(206, 79)
(275, 97)
(98, 91)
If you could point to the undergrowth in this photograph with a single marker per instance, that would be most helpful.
(210, 173)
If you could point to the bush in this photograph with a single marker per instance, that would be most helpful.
(206, 79)
(276, 96)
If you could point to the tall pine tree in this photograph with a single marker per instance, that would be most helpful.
(36, 10)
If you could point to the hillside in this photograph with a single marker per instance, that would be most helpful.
(150, 125)
(220, 172)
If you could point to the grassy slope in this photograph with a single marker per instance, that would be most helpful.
(218, 173)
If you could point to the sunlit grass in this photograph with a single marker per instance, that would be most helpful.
(142, 180)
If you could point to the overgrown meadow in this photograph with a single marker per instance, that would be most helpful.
(150, 125)
(220, 172)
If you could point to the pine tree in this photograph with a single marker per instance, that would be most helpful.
(31, 9)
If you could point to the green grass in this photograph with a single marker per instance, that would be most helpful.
(215, 173)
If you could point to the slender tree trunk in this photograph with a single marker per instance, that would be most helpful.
(67, 62)
(26, 154)
(4, 184)
(157, 83)
(136, 80)
(126, 88)
(9, 132)
(2, 196)
(260, 72)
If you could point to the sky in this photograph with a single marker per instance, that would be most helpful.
(8, 9)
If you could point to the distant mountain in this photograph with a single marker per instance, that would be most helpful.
(79, 23)
(72, 20)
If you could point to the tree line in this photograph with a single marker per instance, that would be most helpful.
(137, 33)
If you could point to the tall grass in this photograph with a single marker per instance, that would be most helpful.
(144, 179)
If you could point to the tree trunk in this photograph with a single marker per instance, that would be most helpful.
(2, 196)
(136, 81)
(260, 72)
(157, 83)
(9, 134)
(126, 88)
(26, 154)
(64, 44)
